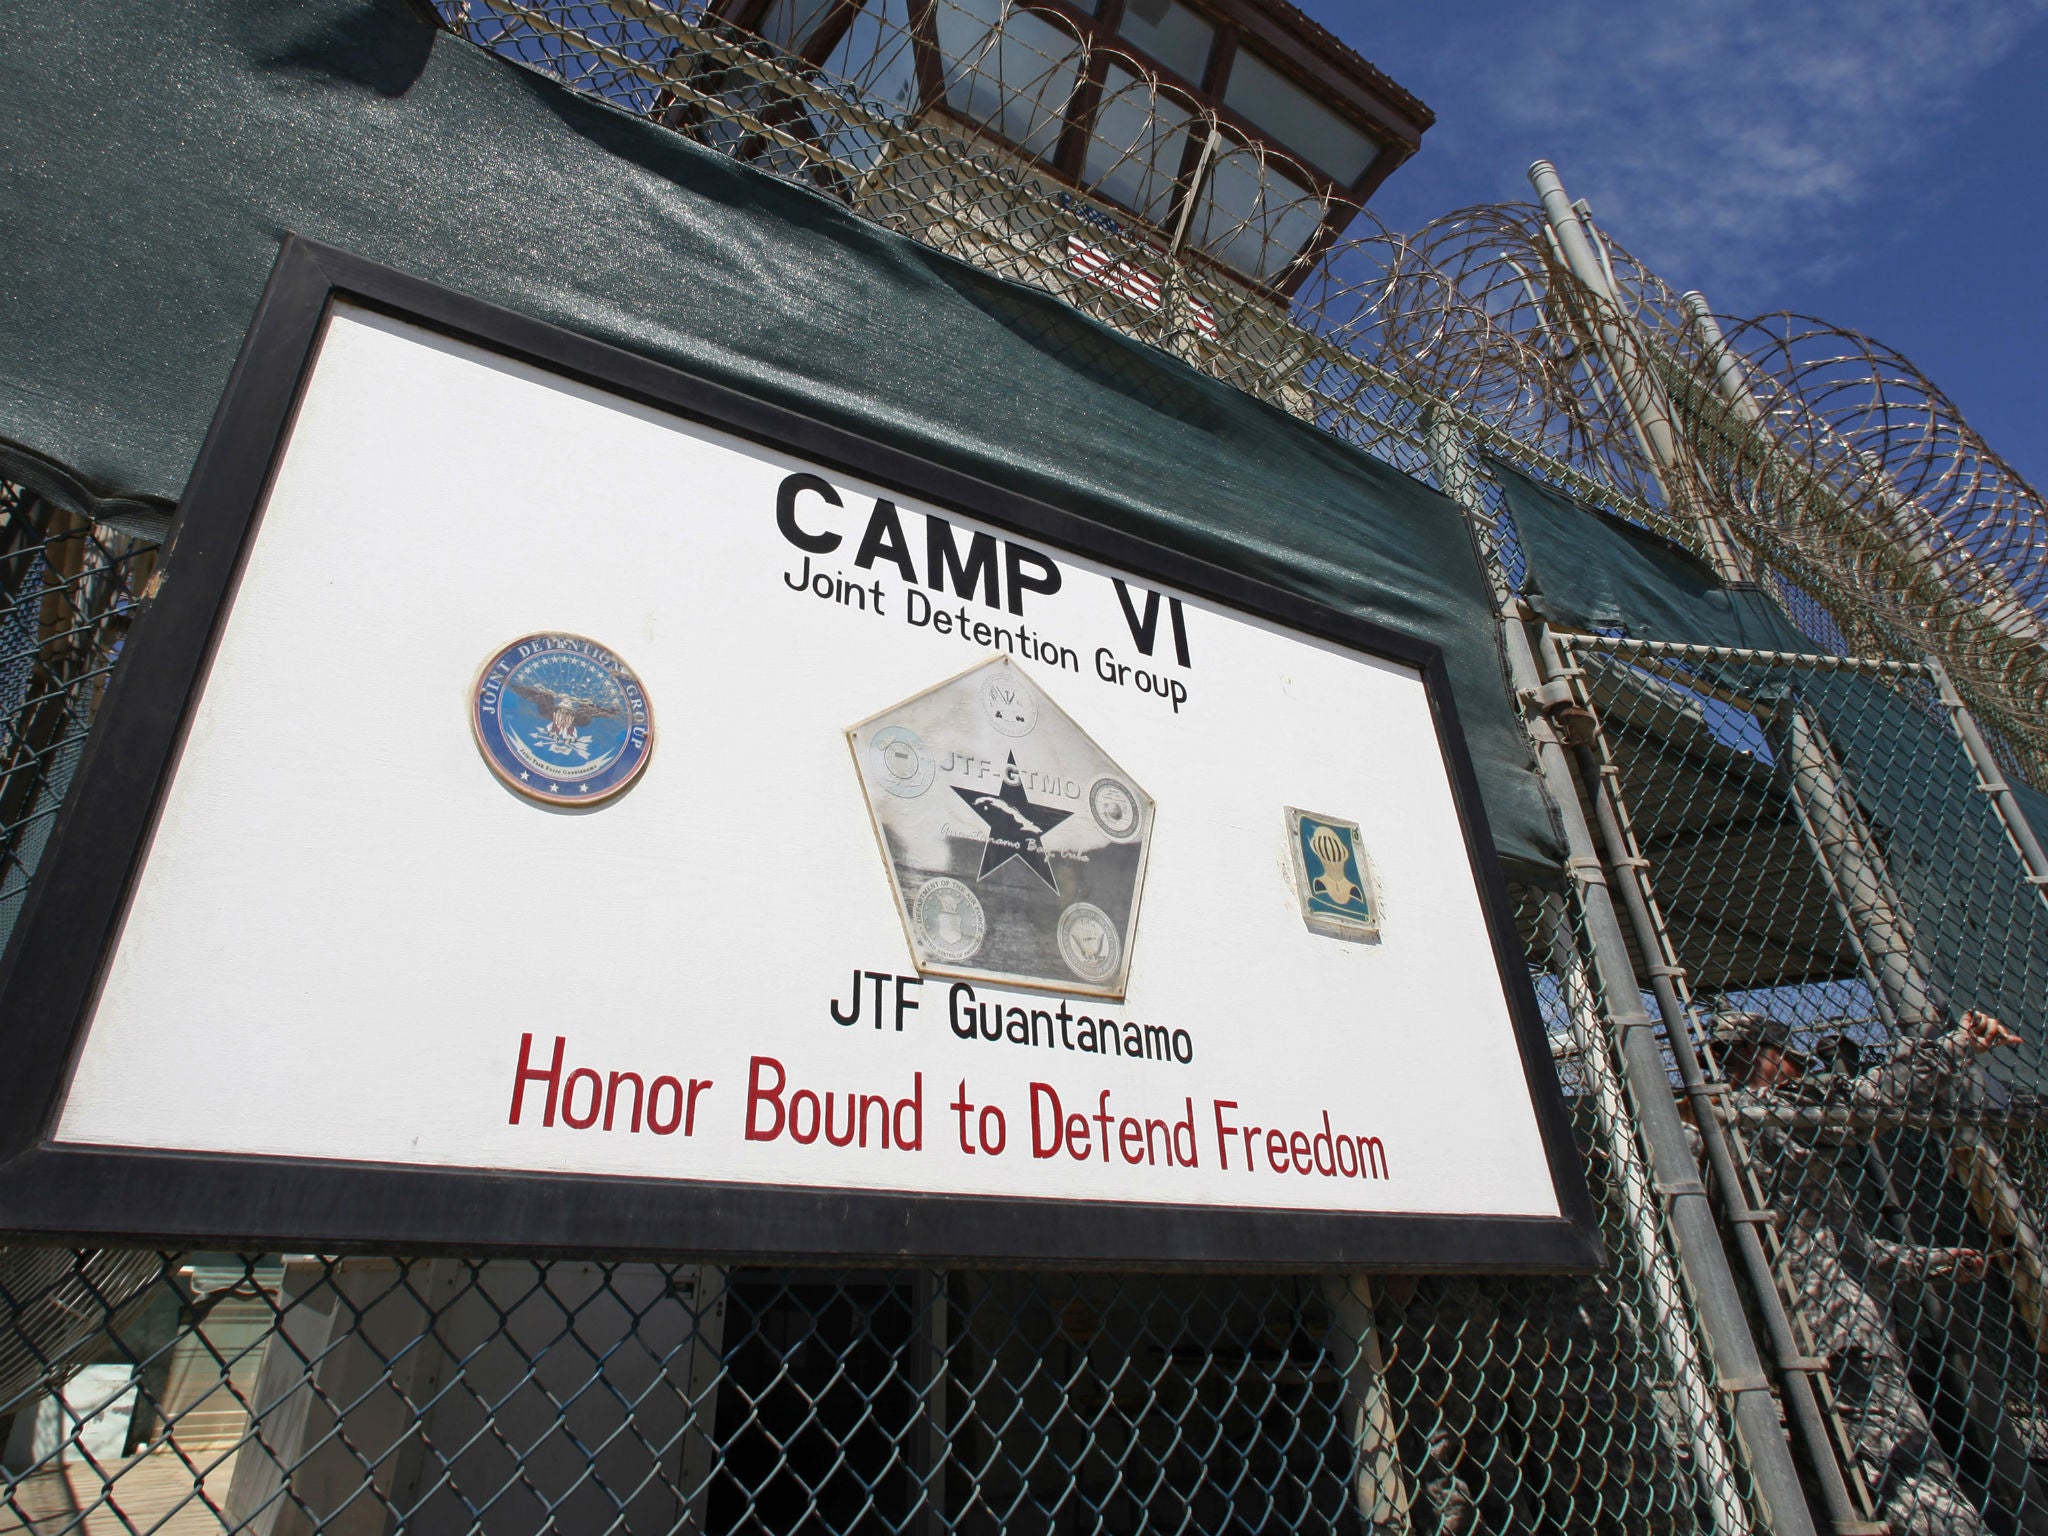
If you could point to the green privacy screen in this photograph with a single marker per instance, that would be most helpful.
(1980, 931)
(154, 154)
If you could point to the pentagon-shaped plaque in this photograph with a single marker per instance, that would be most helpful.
(1015, 845)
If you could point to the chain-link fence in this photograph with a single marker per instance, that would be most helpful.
(343, 1394)
(1856, 945)
(1829, 903)
(67, 591)
(199, 1392)
(1818, 852)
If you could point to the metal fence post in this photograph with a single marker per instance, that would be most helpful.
(1639, 1198)
(1379, 1486)
(1674, 1173)
(1794, 1369)
(1643, 394)
(419, 1379)
(1841, 843)
(1991, 780)
(928, 1454)
(700, 1449)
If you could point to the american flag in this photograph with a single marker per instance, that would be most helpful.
(1105, 269)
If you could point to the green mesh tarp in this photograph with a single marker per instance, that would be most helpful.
(1588, 570)
(1980, 931)
(153, 153)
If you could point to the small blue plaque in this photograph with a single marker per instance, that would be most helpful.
(1333, 877)
(561, 719)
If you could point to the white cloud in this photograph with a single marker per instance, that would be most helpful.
(1720, 139)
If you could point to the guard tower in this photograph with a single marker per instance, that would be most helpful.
(1238, 133)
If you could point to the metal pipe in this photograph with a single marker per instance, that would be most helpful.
(1380, 1491)
(1584, 264)
(1686, 649)
(1450, 456)
(1187, 208)
(1596, 345)
(1639, 1203)
(1630, 314)
(1729, 378)
(1623, 349)
(1842, 843)
(1991, 779)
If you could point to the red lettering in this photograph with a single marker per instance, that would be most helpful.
(1040, 1146)
(853, 1108)
(881, 1107)
(796, 1103)
(1346, 1147)
(1223, 1134)
(757, 1094)
(655, 1122)
(1372, 1158)
(569, 1100)
(528, 1074)
(611, 1097)
(697, 1086)
(993, 1145)
(1325, 1153)
(963, 1107)
(1077, 1138)
(911, 1140)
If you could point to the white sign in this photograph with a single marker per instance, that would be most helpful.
(957, 863)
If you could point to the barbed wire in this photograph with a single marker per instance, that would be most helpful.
(1854, 488)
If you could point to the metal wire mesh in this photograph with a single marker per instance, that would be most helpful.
(304, 1393)
(67, 592)
(273, 1393)
(1842, 904)
(1815, 847)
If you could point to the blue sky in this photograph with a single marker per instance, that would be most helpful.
(1880, 165)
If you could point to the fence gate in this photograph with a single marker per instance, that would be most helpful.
(1822, 872)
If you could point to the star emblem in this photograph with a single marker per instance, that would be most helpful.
(1017, 826)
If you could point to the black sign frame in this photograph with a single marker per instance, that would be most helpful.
(58, 953)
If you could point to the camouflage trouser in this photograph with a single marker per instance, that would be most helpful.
(1912, 1481)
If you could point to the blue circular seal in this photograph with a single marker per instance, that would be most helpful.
(561, 719)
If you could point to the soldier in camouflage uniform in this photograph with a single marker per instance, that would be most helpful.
(1840, 1275)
